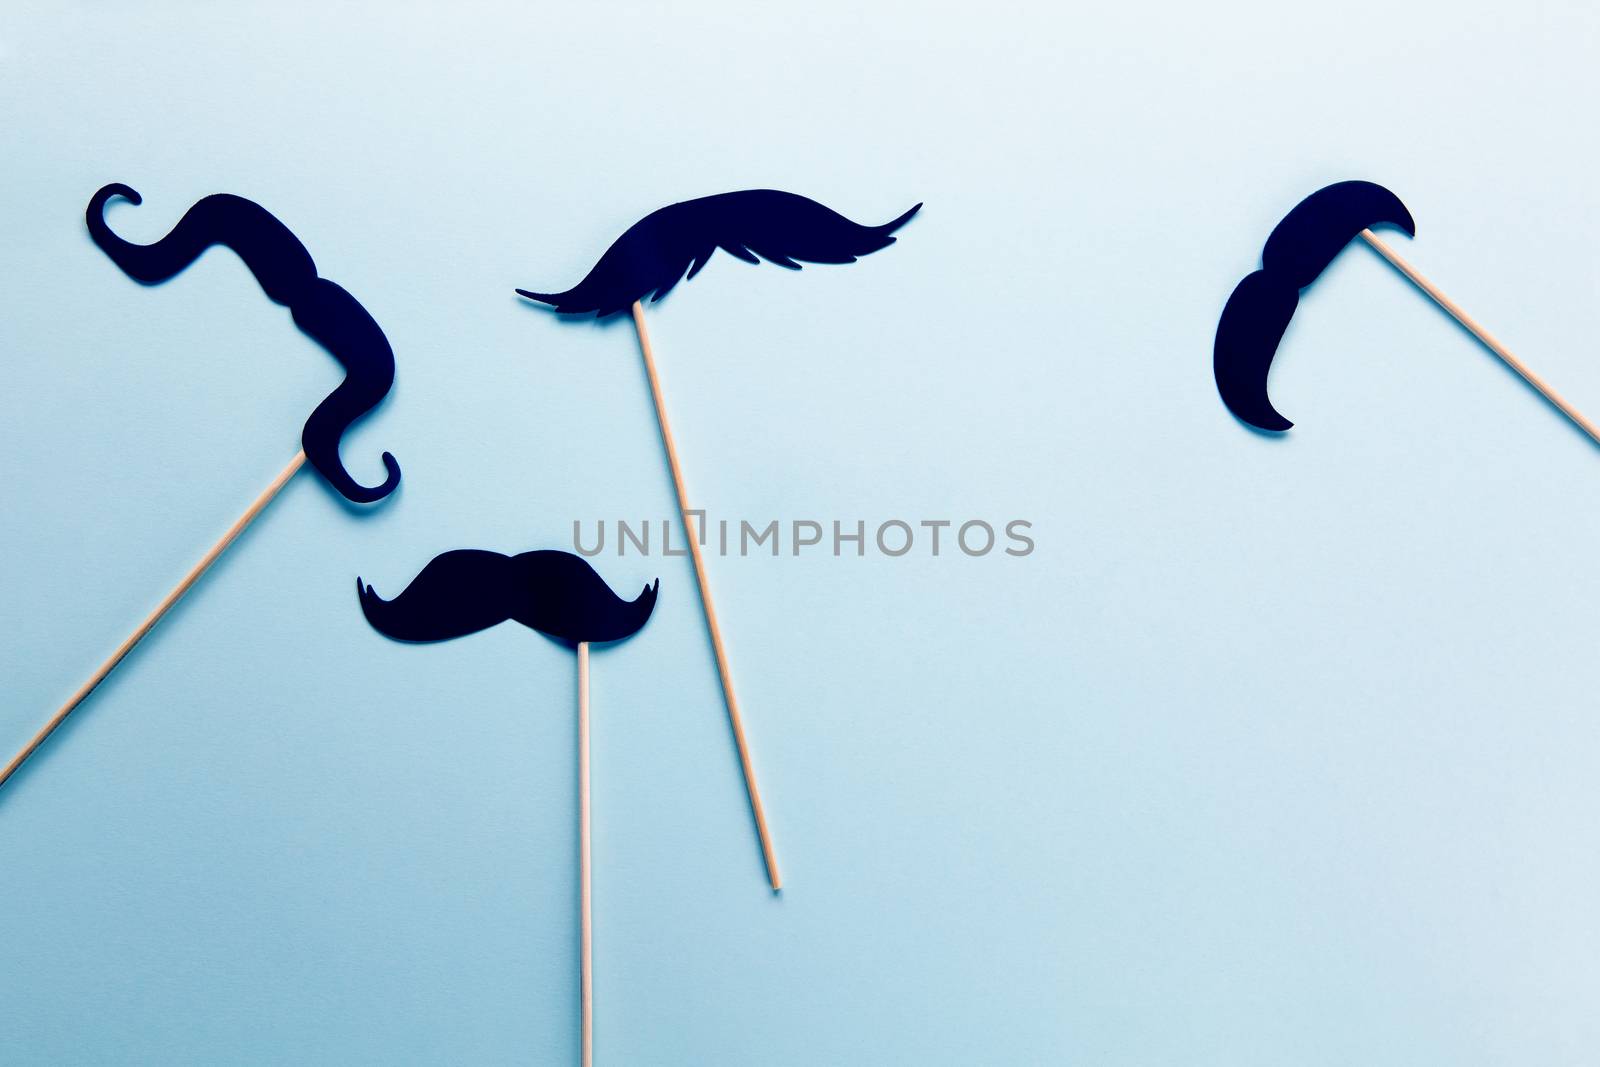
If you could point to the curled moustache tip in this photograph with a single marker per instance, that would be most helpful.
(903, 219)
(543, 298)
(357, 493)
(1408, 226)
(1389, 208)
(1257, 412)
(1264, 418)
(113, 189)
(391, 481)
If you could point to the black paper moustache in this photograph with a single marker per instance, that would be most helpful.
(752, 225)
(1297, 252)
(286, 273)
(467, 590)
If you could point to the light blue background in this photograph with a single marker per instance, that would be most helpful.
(1275, 751)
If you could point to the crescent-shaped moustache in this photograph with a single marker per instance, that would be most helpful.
(286, 273)
(752, 225)
(1297, 252)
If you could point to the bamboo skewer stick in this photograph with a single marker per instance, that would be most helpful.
(723, 673)
(256, 508)
(1488, 340)
(585, 867)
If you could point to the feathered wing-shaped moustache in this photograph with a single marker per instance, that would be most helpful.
(286, 273)
(467, 590)
(752, 225)
(1297, 252)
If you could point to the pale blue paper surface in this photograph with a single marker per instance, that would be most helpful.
(1274, 751)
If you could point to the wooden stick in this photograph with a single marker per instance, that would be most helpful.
(154, 617)
(1483, 335)
(585, 868)
(762, 832)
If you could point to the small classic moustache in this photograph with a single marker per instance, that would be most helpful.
(466, 590)
(288, 276)
(1297, 252)
(752, 225)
